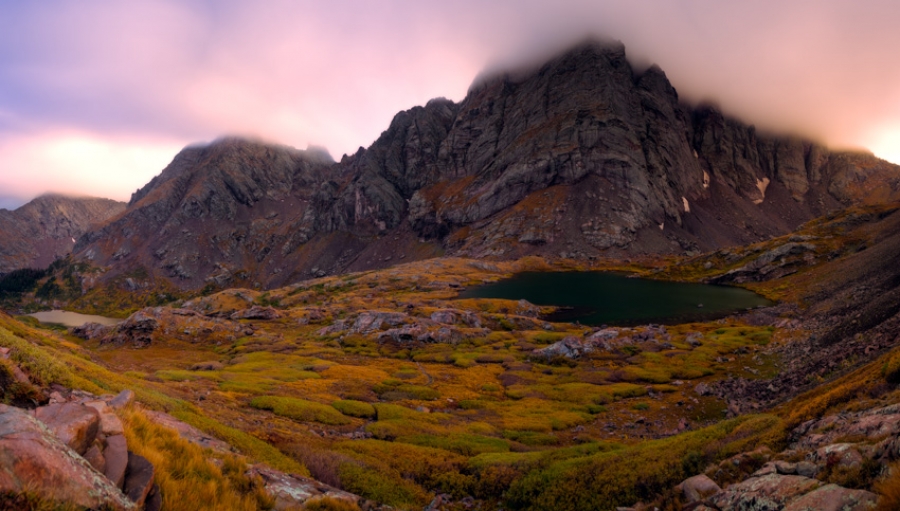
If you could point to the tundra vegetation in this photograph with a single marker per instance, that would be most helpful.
(384, 384)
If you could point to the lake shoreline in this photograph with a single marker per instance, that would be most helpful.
(72, 319)
(611, 298)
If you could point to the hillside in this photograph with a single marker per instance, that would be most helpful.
(45, 229)
(388, 389)
(584, 157)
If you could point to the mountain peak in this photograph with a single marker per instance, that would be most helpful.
(46, 228)
(576, 156)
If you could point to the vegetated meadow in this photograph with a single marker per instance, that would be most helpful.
(357, 405)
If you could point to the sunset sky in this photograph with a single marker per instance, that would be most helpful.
(96, 97)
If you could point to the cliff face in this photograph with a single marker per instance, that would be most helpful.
(46, 228)
(214, 211)
(580, 158)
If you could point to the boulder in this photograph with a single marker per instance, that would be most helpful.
(211, 365)
(698, 488)
(139, 478)
(90, 331)
(834, 498)
(292, 491)
(256, 312)
(116, 454)
(137, 329)
(703, 389)
(122, 399)
(770, 492)
(786, 468)
(406, 334)
(568, 347)
(74, 424)
(110, 424)
(94, 456)
(447, 317)
(371, 321)
(154, 500)
(807, 469)
(840, 455)
(34, 459)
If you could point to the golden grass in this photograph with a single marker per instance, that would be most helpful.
(448, 418)
(189, 477)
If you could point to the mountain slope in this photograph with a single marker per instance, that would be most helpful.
(580, 158)
(45, 228)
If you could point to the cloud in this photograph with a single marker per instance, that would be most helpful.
(334, 73)
(78, 164)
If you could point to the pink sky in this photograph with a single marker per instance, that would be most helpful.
(97, 97)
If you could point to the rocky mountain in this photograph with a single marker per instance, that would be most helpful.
(583, 157)
(46, 228)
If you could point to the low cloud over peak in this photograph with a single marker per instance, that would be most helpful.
(140, 81)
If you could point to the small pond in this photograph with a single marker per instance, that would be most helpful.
(71, 319)
(596, 298)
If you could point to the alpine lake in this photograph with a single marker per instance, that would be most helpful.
(603, 298)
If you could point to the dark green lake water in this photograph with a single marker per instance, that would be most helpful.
(596, 298)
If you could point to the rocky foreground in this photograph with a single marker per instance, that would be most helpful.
(849, 447)
(72, 451)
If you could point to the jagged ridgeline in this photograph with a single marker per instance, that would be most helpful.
(584, 156)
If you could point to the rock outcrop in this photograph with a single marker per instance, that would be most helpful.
(584, 156)
(46, 228)
(34, 459)
(847, 446)
(152, 323)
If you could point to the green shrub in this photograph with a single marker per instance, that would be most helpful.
(390, 391)
(300, 409)
(380, 487)
(354, 408)
(467, 445)
(532, 438)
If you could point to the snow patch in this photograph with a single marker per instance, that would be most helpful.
(761, 184)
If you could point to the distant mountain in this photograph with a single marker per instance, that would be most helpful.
(47, 227)
(582, 157)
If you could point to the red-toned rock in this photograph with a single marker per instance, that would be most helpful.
(841, 455)
(154, 500)
(698, 488)
(256, 312)
(834, 498)
(122, 399)
(292, 491)
(74, 424)
(116, 454)
(110, 424)
(139, 478)
(95, 457)
(771, 491)
(34, 459)
(90, 331)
